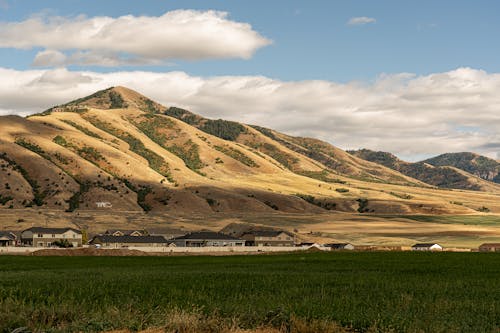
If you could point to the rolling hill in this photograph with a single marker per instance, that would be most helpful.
(444, 171)
(123, 149)
(480, 166)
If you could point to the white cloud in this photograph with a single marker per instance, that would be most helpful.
(361, 20)
(107, 41)
(403, 113)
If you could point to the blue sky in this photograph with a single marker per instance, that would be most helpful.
(311, 39)
(417, 78)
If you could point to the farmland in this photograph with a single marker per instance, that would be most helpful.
(336, 292)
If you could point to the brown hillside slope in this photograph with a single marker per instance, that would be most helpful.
(117, 147)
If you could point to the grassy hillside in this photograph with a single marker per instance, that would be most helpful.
(120, 147)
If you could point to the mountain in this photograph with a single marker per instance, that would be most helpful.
(442, 175)
(118, 151)
(480, 166)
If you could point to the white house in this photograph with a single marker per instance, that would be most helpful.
(427, 247)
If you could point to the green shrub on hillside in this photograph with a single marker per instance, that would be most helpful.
(237, 155)
(227, 130)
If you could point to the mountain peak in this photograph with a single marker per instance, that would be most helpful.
(118, 97)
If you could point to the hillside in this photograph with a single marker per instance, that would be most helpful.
(480, 166)
(119, 151)
(444, 176)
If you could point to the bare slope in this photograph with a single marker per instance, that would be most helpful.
(117, 150)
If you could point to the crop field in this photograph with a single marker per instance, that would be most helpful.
(306, 292)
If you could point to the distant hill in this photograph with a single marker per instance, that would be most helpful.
(444, 176)
(117, 150)
(480, 166)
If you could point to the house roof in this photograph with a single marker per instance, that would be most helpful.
(266, 233)
(129, 239)
(52, 230)
(206, 235)
(7, 235)
(425, 245)
(125, 232)
(490, 245)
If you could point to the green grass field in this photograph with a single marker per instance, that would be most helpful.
(375, 292)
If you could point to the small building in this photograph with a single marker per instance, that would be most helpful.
(112, 241)
(7, 238)
(340, 246)
(268, 238)
(45, 237)
(207, 238)
(489, 247)
(427, 247)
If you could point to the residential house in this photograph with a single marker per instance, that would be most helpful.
(268, 238)
(45, 237)
(340, 246)
(7, 238)
(113, 241)
(489, 247)
(427, 247)
(207, 238)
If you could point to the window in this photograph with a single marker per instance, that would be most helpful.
(53, 236)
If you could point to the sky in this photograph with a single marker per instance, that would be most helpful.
(416, 78)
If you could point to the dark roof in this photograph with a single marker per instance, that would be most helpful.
(8, 235)
(129, 239)
(337, 245)
(266, 233)
(425, 244)
(204, 235)
(51, 230)
(490, 245)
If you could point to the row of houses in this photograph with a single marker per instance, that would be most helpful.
(71, 237)
(135, 238)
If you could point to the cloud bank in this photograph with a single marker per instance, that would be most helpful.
(362, 20)
(412, 116)
(132, 40)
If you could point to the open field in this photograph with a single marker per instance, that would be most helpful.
(307, 292)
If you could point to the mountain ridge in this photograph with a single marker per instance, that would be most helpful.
(119, 146)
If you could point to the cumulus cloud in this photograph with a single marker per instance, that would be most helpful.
(107, 41)
(361, 20)
(412, 116)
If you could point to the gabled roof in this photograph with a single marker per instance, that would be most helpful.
(129, 239)
(125, 232)
(7, 235)
(52, 230)
(266, 233)
(425, 245)
(490, 245)
(206, 235)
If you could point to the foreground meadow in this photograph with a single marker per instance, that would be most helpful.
(306, 292)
